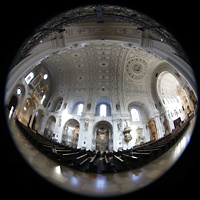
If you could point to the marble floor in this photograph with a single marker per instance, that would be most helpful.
(101, 185)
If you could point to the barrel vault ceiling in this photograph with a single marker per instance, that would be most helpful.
(101, 68)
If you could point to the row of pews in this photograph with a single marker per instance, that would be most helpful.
(105, 162)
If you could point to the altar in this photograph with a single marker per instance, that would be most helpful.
(102, 139)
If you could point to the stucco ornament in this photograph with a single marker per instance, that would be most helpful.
(126, 132)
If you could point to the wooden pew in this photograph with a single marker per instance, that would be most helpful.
(119, 163)
(70, 154)
(63, 150)
(155, 151)
(90, 161)
(68, 157)
(81, 162)
(144, 156)
(92, 167)
(131, 161)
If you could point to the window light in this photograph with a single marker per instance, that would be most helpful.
(135, 115)
(45, 76)
(29, 77)
(79, 109)
(103, 110)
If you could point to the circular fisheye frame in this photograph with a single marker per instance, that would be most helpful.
(97, 97)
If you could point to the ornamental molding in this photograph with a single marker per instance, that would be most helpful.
(100, 14)
(136, 68)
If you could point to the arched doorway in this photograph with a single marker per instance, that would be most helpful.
(12, 106)
(103, 136)
(27, 111)
(71, 133)
(50, 127)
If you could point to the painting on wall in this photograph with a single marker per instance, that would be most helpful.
(153, 130)
(185, 101)
(193, 99)
(74, 137)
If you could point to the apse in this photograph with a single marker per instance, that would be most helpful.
(98, 90)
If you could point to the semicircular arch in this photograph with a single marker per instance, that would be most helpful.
(153, 81)
(74, 102)
(140, 104)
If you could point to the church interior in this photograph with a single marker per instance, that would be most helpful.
(101, 96)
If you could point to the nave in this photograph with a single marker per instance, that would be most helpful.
(104, 184)
(132, 68)
(103, 161)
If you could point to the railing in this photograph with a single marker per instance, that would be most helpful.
(99, 14)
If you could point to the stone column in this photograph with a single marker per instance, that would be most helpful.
(158, 126)
(32, 118)
(115, 135)
(57, 130)
(81, 133)
(89, 134)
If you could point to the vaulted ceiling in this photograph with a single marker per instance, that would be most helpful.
(119, 57)
(101, 68)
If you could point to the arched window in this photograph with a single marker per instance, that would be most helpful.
(79, 109)
(19, 92)
(45, 76)
(103, 109)
(135, 115)
(29, 77)
(73, 106)
(58, 105)
(43, 98)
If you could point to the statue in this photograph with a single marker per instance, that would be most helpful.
(119, 125)
(126, 132)
(86, 124)
(152, 129)
(117, 107)
(140, 139)
(127, 137)
(89, 106)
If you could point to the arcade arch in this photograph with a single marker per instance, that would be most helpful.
(167, 89)
(163, 69)
(26, 115)
(70, 134)
(49, 130)
(102, 136)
